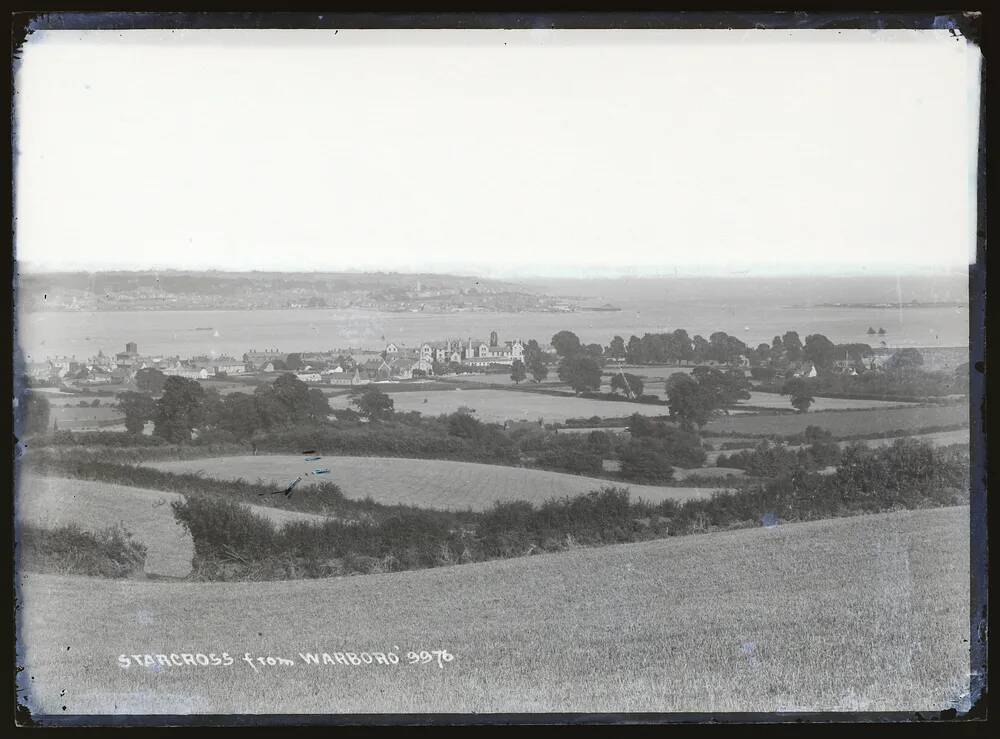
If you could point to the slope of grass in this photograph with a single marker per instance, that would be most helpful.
(428, 483)
(867, 613)
(51, 502)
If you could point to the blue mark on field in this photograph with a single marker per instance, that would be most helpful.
(769, 520)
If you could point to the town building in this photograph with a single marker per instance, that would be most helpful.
(256, 360)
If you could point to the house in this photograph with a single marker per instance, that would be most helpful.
(395, 369)
(257, 359)
(230, 367)
(422, 365)
(39, 370)
(309, 376)
(806, 369)
(186, 371)
(122, 375)
(345, 379)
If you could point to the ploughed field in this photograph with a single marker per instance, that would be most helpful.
(867, 614)
(427, 483)
(51, 502)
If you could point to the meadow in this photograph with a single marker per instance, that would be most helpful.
(866, 614)
(52, 502)
(843, 423)
(783, 402)
(73, 418)
(427, 483)
(502, 405)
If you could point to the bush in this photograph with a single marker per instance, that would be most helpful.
(233, 543)
(681, 448)
(645, 460)
(69, 550)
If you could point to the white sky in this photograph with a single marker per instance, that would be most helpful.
(505, 153)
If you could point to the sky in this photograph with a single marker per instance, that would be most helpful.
(504, 153)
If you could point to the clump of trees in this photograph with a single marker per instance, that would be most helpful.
(630, 385)
(373, 404)
(579, 366)
(798, 392)
(695, 398)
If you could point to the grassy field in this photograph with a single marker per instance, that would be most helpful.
(867, 613)
(428, 483)
(773, 400)
(501, 380)
(77, 419)
(939, 438)
(52, 502)
(502, 405)
(843, 423)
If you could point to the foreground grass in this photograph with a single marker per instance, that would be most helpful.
(865, 613)
(428, 483)
(51, 502)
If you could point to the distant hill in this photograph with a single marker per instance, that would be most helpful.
(172, 289)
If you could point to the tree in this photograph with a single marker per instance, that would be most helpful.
(533, 353)
(629, 384)
(581, 373)
(792, 346)
(317, 407)
(682, 448)
(35, 411)
(239, 415)
(464, 426)
(293, 362)
(906, 360)
(539, 371)
(593, 350)
(373, 404)
(138, 408)
(517, 371)
(566, 343)
(438, 368)
(722, 388)
(700, 348)
(688, 401)
(820, 351)
(643, 460)
(679, 346)
(616, 349)
(293, 394)
(179, 409)
(633, 351)
(150, 380)
(881, 331)
(799, 392)
(871, 331)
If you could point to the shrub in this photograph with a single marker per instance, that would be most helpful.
(69, 550)
(644, 460)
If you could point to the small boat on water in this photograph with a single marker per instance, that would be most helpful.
(313, 459)
(321, 470)
(204, 328)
